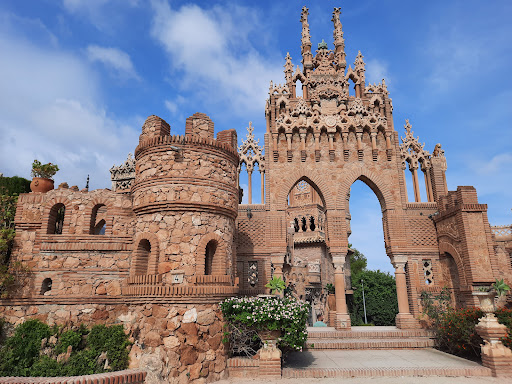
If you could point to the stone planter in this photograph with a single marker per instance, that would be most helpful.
(331, 302)
(486, 301)
(269, 338)
(41, 184)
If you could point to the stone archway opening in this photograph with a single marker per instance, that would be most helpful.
(308, 267)
(364, 221)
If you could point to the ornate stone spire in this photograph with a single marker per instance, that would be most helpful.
(359, 67)
(339, 42)
(307, 56)
(288, 69)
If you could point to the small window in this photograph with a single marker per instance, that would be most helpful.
(98, 217)
(46, 286)
(142, 257)
(56, 219)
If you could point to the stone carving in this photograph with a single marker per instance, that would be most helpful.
(122, 176)
(412, 151)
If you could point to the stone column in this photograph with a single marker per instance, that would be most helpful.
(342, 316)
(495, 355)
(262, 173)
(249, 197)
(415, 184)
(404, 319)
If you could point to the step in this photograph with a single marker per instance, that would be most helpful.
(295, 373)
(368, 333)
(346, 343)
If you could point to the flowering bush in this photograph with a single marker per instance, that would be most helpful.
(44, 170)
(505, 317)
(270, 313)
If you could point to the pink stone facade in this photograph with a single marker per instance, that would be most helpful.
(170, 240)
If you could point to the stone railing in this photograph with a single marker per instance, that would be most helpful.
(130, 376)
(502, 232)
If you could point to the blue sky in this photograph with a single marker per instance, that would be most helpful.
(79, 77)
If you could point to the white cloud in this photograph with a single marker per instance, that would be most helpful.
(115, 58)
(174, 105)
(101, 13)
(212, 50)
(51, 109)
(376, 70)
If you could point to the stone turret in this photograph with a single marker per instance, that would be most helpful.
(185, 197)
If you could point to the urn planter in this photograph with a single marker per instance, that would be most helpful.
(331, 301)
(486, 301)
(41, 184)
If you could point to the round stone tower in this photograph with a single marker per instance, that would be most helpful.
(185, 198)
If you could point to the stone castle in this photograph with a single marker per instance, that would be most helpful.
(171, 239)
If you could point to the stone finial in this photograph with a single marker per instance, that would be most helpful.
(412, 151)
(288, 68)
(250, 151)
(339, 42)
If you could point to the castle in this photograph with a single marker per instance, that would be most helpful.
(171, 239)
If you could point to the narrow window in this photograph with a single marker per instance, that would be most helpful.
(427, 272)
(211, 247)
(56, 219)
(98, 220)
(142, 257)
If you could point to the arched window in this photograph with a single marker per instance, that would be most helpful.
(98, 224)
(56, 219)
(211, 248)
(142, 257)
(46, 286)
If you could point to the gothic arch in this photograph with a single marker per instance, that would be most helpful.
(446, 247)
(317, 181)
(48, 220)
(218, 261)
(154, 256)
(109, 218)
(370, 178)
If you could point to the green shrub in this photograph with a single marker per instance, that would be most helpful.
(505, 317)
(456, 332)
(21, 354)
(22, 349)
(71, 338)
(112, 340)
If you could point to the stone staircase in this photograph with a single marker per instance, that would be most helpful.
(368, 338)
(375, 352)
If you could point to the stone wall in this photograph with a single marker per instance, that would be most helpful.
(175, 343)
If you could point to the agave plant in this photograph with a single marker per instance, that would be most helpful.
(501, 287)
(276, 285)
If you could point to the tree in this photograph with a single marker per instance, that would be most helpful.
(379, 291)
(358, 262)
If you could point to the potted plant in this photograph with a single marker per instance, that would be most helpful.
(331, 298)
(275, 319)
(42, 176)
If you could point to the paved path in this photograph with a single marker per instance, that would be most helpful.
(394, 358)
(374, 359)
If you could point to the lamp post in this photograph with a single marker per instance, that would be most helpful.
(364, 303)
